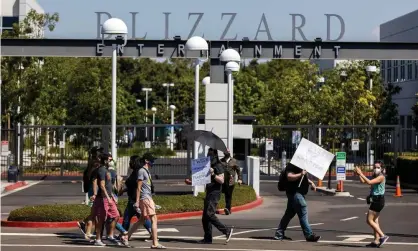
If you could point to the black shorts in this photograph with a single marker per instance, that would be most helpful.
(377, 203)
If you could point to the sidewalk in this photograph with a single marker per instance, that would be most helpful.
(10, 186)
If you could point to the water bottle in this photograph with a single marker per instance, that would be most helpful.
(157, 207)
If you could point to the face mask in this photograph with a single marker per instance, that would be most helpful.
(377, 171)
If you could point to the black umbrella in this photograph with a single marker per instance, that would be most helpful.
(208, 139)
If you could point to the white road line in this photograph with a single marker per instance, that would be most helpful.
(215, 249)
(173, 248)
(361, 199)
(21, 188)
(351, 218)
(260, 230)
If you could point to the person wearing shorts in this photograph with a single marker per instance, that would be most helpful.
(131, 188)
(144, 198)
(376, 199)
(104, 205)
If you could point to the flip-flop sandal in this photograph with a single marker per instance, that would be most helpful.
(158, 247)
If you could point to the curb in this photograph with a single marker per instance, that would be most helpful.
(161, 217)
(332, 192)
(16, 185)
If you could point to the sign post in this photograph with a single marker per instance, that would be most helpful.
(341, 170)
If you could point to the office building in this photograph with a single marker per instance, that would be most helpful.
(403, 73)
(14, 11)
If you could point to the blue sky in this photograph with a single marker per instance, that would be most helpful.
(362, 17)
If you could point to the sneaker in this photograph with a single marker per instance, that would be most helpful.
(229, 234)
(114, 241)
(313, 238)
(282, 238)
(82, 227)
(88, 236)
(124, 240)
(372, 245)
(204, 242)
(383, 240)
(226, 211)
(99, 243)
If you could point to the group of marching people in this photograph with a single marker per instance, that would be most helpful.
(103, 185)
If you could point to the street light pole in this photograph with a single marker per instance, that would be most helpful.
(146, 90)
(154, 110)
(114, 27)
(196, 44)
(233, 58)
(321, 81)
(172, 108)
(370, 70)
(168, 85)
(196, 105)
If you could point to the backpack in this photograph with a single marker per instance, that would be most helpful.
(282, 184)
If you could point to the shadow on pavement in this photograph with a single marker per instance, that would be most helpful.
(348, 245)
(262, 238)
(179, 240)
(355, 232)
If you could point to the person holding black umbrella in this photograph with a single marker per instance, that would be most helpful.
(231, 170)
(213, 195)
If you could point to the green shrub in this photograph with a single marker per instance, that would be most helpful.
(169, 203)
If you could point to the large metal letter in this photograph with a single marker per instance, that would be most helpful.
(337, 50)
(99, 23)
(120, 50)
(318, 50)
(231, 20)
(160, 49)
(140, 49)
(134, 27)
(99, 49)
(299, 28)
(221, 50)
(199, 17)
(266, 28)
(278, 51)
(167, 24)
(257, 51)
(298, 51)
(180, 50)
(342, 27)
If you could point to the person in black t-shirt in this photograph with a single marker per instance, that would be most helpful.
(296, 203)
(213, 194)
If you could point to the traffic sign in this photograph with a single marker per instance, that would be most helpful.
(355, 144)
(340, 165)
(269, 144)
(147, 144)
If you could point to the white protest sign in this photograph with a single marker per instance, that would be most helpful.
(201, 171)
(312, 158)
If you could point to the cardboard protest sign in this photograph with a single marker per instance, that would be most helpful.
(312, 158)
(201, 171)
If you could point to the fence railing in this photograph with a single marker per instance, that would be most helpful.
(63, 150)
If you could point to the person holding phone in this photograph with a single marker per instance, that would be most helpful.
(376, 199)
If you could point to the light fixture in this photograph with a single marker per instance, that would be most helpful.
(230, 55)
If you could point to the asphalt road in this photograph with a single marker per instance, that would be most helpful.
(339, 220)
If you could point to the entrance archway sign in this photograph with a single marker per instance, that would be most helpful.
(176, 49)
